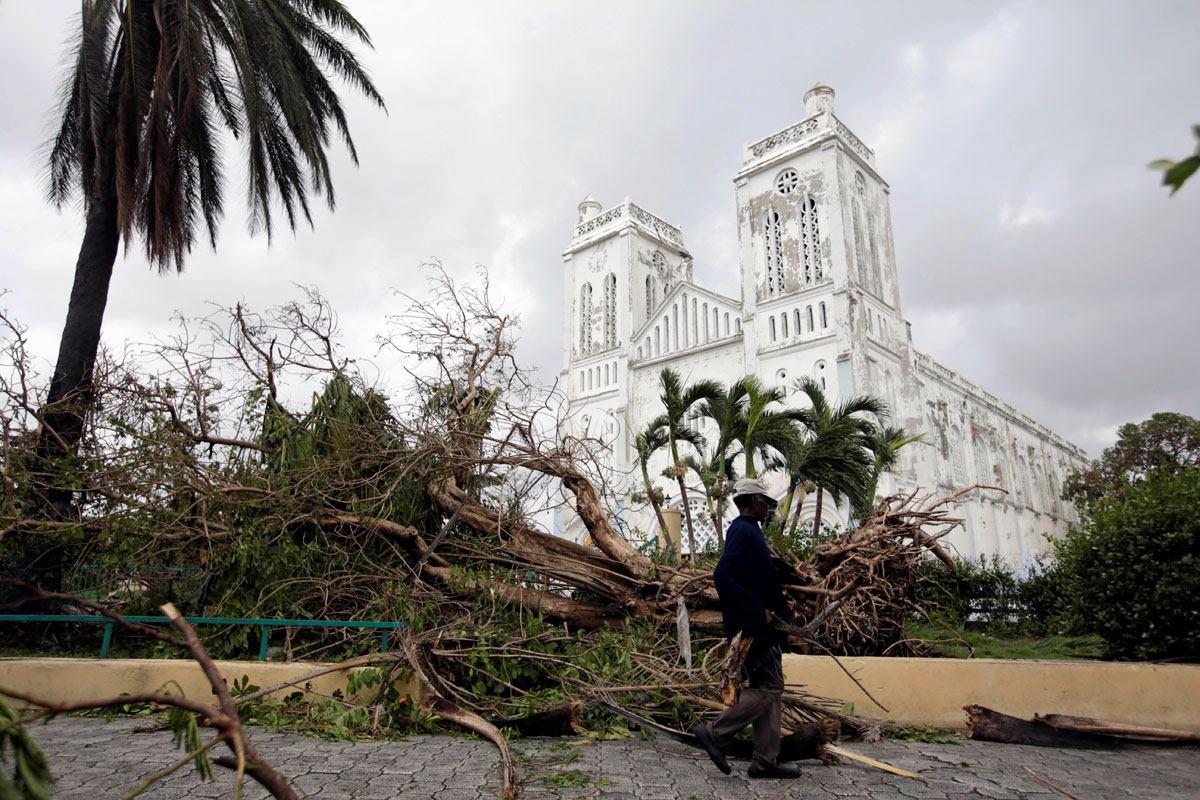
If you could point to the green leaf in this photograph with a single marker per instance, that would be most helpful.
(1179, 173)
(1162, 164)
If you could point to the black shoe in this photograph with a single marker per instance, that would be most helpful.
(773, 771)
(710, 747)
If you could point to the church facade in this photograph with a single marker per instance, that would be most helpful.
(819, 297)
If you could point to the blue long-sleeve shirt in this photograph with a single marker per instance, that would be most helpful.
(746, 580)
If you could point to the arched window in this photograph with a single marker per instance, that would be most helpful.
(606, 374)
(983, 462)
(657, 341)
(695, 324)
(876, 281)
(685, 320)
(796, 318)
(716, 328)
(810, 318)
(707, 336)
(727, 324)
(675, 326)
(582, 381)
(783, 324)
(810, 241)
(863, 271)
(650, 299)
(824, 319)
(649, 349)
(956, 458)
(772, 329)
(737, 324)
(662, 273)
(666, 334)
(870, 320)
(614, 369)
(819, 373)
(585, 319)
(773, 247)
(610, 311)
(590, 380)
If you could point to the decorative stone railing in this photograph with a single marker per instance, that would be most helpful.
(809, 129)
(630, 210)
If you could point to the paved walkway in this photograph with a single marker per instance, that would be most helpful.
(93, 759)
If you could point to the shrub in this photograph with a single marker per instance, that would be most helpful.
(1133, 574)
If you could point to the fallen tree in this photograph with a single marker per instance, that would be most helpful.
(200, 452)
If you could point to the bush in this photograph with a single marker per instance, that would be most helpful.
(988, 595)
(1133, 575)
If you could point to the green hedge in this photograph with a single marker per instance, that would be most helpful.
(1133, 574)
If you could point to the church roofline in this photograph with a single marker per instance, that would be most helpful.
(676, 291)
(935, 369)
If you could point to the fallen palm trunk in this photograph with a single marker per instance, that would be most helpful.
(1120, 730)
(562, 720)
(992, 726)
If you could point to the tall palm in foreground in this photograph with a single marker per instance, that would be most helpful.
(647, 443)
(724, 409)
(841, 455)
(150, 90)
(678, 403)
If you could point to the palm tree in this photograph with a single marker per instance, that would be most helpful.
(678, 403)
(885, 444)
(763, 431)
(647, 443)
(724, 409)
(714, 481)
(151, 87)
(841, 444)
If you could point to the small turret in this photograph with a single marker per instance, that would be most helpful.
(818, 99)
(589, 208)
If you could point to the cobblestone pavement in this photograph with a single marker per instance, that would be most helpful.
(94, 759)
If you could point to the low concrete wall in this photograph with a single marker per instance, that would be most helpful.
(71, 679)
(916, 691)
(932, 691)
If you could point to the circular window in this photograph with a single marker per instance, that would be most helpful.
(787, 181)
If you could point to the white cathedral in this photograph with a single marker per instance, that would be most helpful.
(819, 297)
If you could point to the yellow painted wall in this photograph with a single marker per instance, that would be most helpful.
(72, 679)
(932, 691)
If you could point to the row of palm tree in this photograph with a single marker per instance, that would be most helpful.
(837, 449)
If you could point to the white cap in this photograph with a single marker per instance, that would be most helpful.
(748, 486)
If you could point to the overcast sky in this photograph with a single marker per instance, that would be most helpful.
(1037, 254)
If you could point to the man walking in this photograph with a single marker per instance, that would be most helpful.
(751, 599)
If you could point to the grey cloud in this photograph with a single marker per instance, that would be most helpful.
(503, 116)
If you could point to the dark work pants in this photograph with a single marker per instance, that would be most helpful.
(759, 705)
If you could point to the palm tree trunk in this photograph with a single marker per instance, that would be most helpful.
(796, 515)
(817, 518)
(653, 498)
(70, 389)
(687, 509)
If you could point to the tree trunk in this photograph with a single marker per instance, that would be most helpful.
(721, 520)
(817, 518)
(652, 496)
(683, 498)
(799, 501)
(687, 511)
(70, 390)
